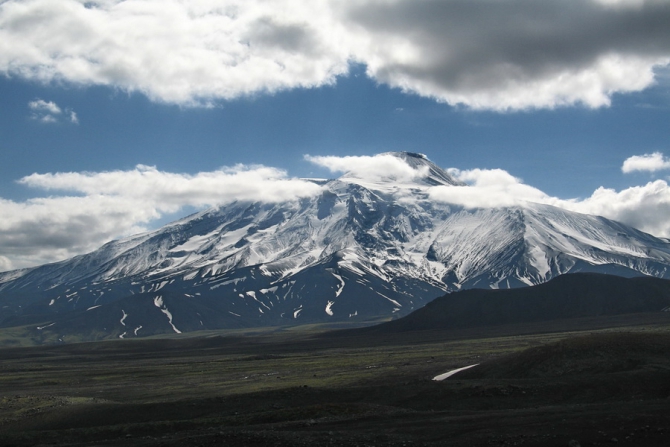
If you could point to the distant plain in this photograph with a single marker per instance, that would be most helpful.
(311, 386)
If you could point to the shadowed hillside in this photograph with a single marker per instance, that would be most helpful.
(586, 355)
(568, 296)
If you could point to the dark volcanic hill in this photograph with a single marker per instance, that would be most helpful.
(568, 296)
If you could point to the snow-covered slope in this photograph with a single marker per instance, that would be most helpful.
(363, 249)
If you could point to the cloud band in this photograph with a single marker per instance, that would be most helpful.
(500, 55)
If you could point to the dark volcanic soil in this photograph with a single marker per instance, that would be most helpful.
(607, 388)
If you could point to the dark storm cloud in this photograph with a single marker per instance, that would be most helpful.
(469, 46)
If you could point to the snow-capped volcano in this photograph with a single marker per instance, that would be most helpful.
(366, 247)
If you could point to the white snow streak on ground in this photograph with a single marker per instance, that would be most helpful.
(158, 302)
(391, 300)
(341, 287)
(328, 308)
(452, 372)
(93, 307)
(39, 328)
(123, 318)
(252, 294)
(122, 335)
(297, 312)
(137, 329)
(225, 283)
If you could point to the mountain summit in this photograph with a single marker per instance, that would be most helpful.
(428, 172)
(369, 246)
(393, 170)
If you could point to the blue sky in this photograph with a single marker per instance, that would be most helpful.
(552, 96)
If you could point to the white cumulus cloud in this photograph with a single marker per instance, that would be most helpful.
(645, 207)
(184, 52)
(168, 192)
(371, 168)
(50, 112)
(86, 209)
(647, 162)
(502, 55)
(487, 188)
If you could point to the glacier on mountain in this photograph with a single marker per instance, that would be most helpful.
(363, 249)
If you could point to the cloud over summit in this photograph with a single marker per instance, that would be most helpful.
(500, 55)
(381, 167)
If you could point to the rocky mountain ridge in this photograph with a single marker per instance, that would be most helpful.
(362, 250)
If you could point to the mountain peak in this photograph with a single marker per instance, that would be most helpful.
(400, 168)
(360, 250)
(405, 155)
(434, 175)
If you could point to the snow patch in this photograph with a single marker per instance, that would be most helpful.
(452, 372)
(230, 281)
(158, 302)
(252, 294)
(190, 276)
(125, 315)
(329, 306)
(391, 300)
(341, 285)
(93, 307)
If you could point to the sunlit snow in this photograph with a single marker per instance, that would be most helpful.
(452, 372)
(381, 238)
(158, 302)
